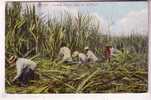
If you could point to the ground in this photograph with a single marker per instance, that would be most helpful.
(101, 77)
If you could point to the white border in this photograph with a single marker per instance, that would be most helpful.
(115, 96)
(2, 47)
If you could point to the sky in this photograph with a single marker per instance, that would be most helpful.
(115, 18)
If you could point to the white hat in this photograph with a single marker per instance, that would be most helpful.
(86, 48)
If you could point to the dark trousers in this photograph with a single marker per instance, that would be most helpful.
(27, 74)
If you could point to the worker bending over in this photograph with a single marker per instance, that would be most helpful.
(65, 54)
(82, 58)
(25, 69)
(90, 55)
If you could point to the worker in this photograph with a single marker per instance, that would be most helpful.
(82, 58)
(108, 52)
(90, 55)
(25, 69)
(65, 54)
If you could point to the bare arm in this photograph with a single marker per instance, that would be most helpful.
(19, 70)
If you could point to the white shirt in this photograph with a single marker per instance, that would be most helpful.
(65, 54)
(21, 63)
(82, 57)
(91, 56)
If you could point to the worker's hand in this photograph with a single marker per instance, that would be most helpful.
(14, 81)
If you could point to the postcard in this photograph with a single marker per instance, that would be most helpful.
(76, 47)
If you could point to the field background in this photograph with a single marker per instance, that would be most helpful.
(28, 35)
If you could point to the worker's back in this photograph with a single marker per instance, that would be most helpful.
(91, 56)
(65, 53)
(23, 62)
(82, 57)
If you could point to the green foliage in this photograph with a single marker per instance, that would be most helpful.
(89, 78)
(28, 35)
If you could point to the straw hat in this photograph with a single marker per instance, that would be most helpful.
(12, 59)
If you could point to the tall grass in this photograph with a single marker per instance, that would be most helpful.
(31, 36)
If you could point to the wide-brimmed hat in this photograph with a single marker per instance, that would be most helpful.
(12, 59)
